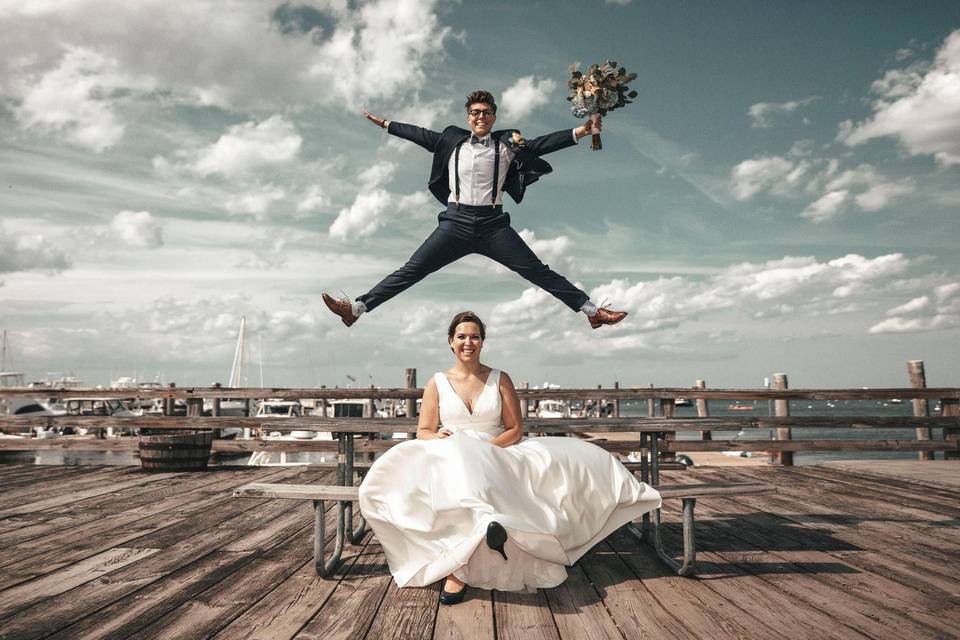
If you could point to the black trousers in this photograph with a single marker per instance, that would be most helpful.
(465, 229)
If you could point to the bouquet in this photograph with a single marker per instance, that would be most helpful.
(601, 89)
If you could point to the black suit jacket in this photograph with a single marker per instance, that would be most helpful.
(526, 168)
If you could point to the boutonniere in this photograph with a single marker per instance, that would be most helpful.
(517, 141)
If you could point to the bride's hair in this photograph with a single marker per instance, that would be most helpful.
(466, 316)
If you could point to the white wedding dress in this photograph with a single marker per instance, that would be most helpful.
(429, 501)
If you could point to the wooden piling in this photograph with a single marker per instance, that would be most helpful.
(703, 411)
(168, 403)
(616, 403)
(215, 411)
(525, 403)
(668, 409)
(782, 408)
(950, 407)
(410, 382)
(918, 380)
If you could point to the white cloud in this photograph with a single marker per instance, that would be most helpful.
(249, 146)
(313, 200)
(919, 106)
(763, 114)
(252, 56)
(827, 207)
(917, 304)
(790, 286)
(525, 95)
(863, 186)
(363, 217)
(759, 174)
(26, 252)
(79, 98)
(553, 251)
(256, 201)
(923, 313)
(878, 196)
(269, 255)
(377, 175)
(137, 229)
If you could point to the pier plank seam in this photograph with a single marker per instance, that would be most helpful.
(920, 620)
(933, 530)
(759, 536)
(208, 564)
(709, 617)
(881, 554)
(32, 566)
(633, 608)
(282, 612)
(363, 587)
(62, 579)
(58, 522)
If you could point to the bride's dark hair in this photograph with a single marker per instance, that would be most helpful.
(466, 316)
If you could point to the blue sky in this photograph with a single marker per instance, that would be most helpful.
(781, 196)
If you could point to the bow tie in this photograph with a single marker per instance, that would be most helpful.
(481, 141)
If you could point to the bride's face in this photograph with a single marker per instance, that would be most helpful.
(466, 342)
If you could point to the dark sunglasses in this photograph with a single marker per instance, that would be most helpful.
(476, 113)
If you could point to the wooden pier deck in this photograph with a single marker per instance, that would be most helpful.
(113, 552)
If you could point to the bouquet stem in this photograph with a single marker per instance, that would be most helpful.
(596, 144)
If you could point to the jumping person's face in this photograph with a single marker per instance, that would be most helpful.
(480, 118)
(466, 342)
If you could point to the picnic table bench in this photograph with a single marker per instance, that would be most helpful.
(345, 494)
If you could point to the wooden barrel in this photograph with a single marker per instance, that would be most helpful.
(176, 451)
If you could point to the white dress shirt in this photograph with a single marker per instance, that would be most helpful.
(476, 171)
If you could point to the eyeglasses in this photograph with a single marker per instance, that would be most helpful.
(476, 113)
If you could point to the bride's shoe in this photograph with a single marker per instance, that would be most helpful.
(496, 537)
(452, 597)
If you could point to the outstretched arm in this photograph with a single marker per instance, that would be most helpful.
(561, 139)
(424, 137)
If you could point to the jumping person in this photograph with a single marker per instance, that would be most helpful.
(471, 170)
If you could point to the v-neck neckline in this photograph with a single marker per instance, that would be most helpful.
(459, 397)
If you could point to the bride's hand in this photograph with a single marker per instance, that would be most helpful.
(444, 433)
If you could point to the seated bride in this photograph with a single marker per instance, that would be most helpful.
(474, 502)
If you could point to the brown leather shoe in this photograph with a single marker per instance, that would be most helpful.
(341, 307)
(605, 316)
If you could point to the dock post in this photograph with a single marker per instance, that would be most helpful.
(215, 411)
(702, 410)
(616, 401)
(918, 380)
(668, 409)
(950, 407)
(168, 403)
(782, 408)
(525, 403)
(650, 405)
(410, 382)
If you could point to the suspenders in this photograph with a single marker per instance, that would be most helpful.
(496, 170)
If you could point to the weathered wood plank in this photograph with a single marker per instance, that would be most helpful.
(406, 614)
(633, 608)
(23, 595)
(705, 613)
(472, 619)
(291, 605)
(349, 611)
(578, 609)
(523, 616)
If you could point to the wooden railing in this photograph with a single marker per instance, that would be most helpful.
(661, 417)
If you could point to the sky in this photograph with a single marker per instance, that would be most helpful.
(782, 196)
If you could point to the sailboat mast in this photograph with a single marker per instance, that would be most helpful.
(236, 370)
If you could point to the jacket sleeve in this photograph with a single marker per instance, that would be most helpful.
(424, 137)
(551, 142)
